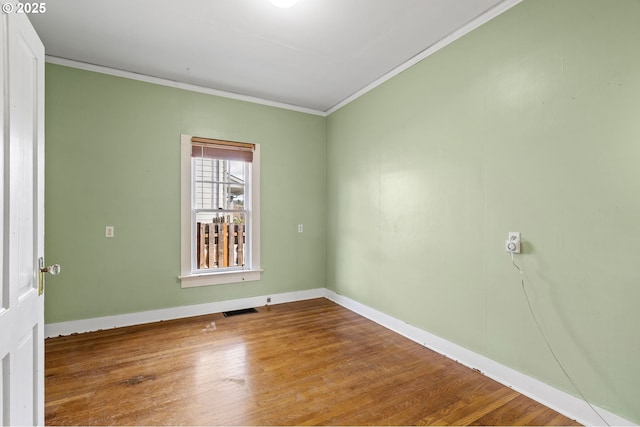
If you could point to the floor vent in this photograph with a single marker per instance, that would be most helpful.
(239, 312)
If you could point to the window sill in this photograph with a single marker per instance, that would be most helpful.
(221, 278)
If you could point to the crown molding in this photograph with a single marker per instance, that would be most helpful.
(176, 84)
(460, 32)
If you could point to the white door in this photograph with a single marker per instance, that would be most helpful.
(22, 219)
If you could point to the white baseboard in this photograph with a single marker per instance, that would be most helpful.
(108, 322)
(551, 397)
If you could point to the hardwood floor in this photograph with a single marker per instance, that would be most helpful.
(305, 363)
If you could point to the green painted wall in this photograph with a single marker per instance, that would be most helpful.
(113, 158)
(529, 123)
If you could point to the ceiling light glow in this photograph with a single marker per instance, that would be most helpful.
(284, 3)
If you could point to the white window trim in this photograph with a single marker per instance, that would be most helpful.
(188, 278)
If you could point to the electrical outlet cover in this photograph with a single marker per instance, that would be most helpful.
(512, 244)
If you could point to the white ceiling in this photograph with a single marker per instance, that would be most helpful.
(313, 55)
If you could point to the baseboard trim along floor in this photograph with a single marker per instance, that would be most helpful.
(549, 396)
(555, 399)
(118, 321)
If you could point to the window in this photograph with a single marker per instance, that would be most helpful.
(220, 211)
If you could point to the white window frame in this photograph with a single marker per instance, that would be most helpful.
(188, 277)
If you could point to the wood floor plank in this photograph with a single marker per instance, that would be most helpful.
(305, 363)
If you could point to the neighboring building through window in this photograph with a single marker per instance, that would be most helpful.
(220, 239)
(219, 215)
